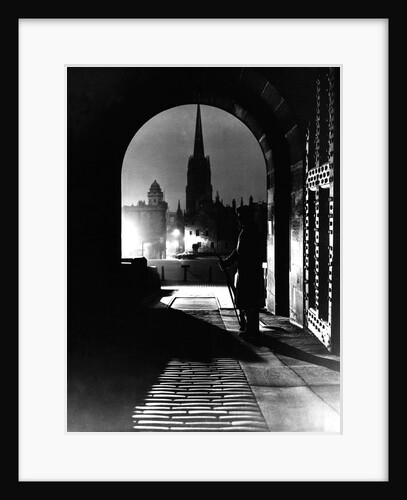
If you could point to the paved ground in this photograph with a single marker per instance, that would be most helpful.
(178, 364)
(290, 383)
(199, 396)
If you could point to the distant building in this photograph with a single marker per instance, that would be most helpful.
(210, 226)
(175, 231)
(205, 227)
(146, 226)
(199, 187)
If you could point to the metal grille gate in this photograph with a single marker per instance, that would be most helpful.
(319, 215)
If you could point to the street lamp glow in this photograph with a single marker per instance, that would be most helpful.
(176, 232)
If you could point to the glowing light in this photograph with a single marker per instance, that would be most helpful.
(131, 241)
(176, 232)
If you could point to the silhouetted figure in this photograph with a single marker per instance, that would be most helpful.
(249, 283)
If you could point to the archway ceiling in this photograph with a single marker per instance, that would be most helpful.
(132, 96)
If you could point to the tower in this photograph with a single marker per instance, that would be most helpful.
(145, 233)
(199, 187)
(179, 214)
(155, 195)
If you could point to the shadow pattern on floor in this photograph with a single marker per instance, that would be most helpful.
(111, 369)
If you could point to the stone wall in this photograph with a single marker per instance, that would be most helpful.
(107, 106)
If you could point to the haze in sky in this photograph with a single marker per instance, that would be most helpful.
(161, 148)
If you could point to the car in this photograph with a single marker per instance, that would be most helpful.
(186, 255)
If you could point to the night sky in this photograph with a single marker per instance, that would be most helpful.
(161, 148)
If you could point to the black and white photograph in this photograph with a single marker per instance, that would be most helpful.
(203, 249)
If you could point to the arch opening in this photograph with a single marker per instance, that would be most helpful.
(134, 96)
(207, 163)
(268, 153)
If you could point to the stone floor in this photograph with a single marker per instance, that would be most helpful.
(291, 382)
(198, 396)
(177, 364)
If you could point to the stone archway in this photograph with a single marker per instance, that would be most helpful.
(282, 149)
(109, 105)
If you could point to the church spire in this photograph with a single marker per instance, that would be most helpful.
(179, 211)
(199, 187)
(198, 145)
